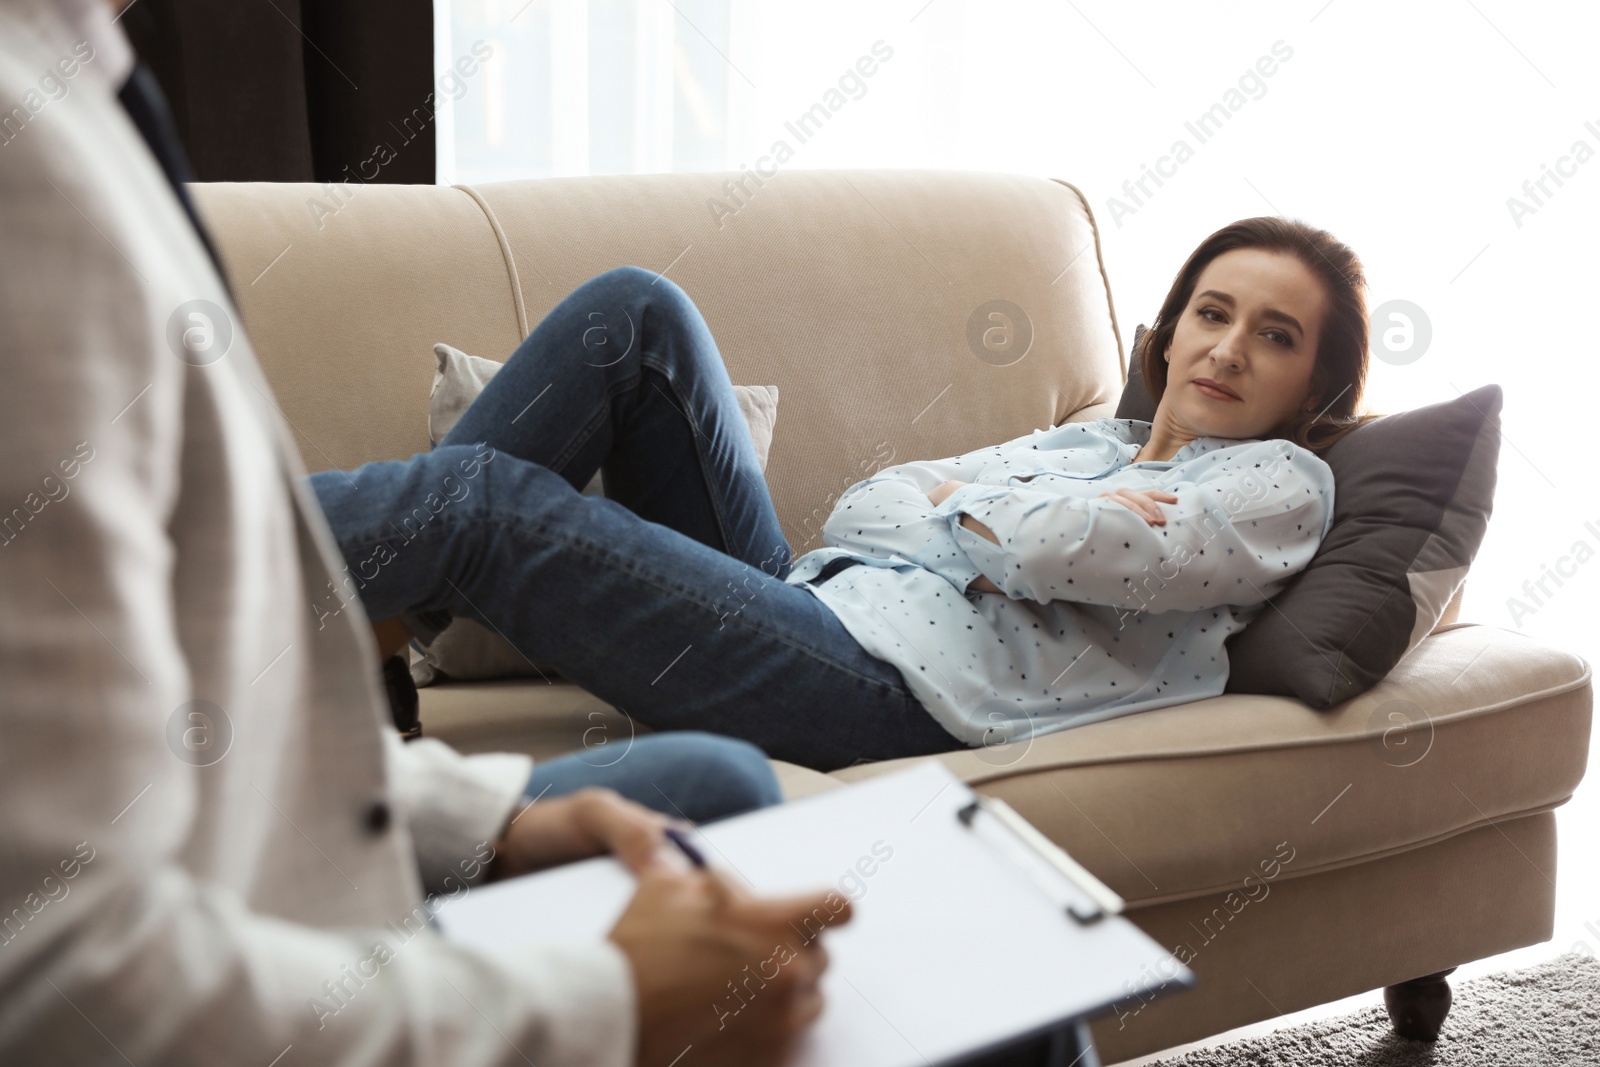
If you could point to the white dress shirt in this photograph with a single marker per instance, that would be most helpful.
(1100, 614)
(208, 825)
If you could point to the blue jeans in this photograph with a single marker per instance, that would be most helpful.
(695, 776)
(665, 597)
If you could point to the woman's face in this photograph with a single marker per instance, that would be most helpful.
(1251, 326)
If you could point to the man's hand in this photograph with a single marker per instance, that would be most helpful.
(586, 823)
(687, 936)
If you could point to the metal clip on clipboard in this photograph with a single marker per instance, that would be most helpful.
(1101, 900)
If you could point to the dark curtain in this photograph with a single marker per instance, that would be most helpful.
(295, 90)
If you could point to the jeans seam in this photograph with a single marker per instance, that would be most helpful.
(582, 437)
(696, 436)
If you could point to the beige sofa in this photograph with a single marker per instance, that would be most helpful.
(1390, 857)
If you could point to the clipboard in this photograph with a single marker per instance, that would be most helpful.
(1089, 899)
(967, 934)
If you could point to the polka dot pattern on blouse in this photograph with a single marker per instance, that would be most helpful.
(1101, 613)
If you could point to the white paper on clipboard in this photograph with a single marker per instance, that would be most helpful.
(952, 948)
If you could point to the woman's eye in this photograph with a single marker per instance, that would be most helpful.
(1277, 335)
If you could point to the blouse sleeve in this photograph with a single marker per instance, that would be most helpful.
(889, 516)
(1247, 519)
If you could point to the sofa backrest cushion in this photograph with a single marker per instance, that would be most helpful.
(902, 314)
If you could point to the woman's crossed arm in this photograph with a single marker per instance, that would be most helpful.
(1238, 527)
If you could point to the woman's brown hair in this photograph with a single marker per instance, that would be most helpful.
(1339, 376)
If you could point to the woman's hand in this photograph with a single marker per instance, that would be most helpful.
(979, 528)
(939, 494)
(941, 491)
(983, 585)
(1146, 502)
(586, 823)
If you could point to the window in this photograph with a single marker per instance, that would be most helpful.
(1454, 171)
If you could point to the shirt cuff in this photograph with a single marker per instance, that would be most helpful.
(454, 805)
(978, 554)
(968, 497)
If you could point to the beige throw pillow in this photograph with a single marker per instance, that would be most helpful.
(466, 649)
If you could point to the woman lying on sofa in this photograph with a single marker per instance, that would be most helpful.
(1070, 575)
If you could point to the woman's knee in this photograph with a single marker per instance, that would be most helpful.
(734, 775)
(617, 307)
(639, 282)
(648, 293)
(635, 281)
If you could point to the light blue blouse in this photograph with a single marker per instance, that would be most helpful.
(1102, 614)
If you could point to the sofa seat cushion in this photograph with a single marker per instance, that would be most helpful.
(1477, 724)
(547, 721)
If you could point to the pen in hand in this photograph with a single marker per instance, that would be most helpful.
(677, 837)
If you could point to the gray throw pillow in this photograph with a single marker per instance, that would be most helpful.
(458, 379)
(1136, 402)
(1413, 492)
(465, 649)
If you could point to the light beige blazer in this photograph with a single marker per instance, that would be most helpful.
(212, 844)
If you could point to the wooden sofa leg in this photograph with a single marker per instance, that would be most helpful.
(1418, 1007)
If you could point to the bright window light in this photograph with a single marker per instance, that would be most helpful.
(1455, 146)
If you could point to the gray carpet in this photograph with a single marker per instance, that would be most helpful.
(1544, 1016)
